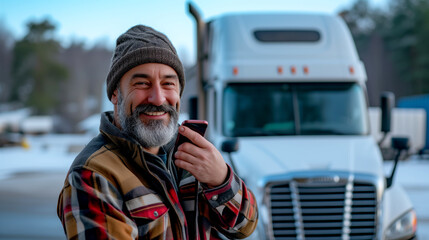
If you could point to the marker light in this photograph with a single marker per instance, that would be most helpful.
(235, 70)
(306, 70)
(352, 70)
(280, 70)
(293, 69)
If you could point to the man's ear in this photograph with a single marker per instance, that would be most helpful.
(114, 98)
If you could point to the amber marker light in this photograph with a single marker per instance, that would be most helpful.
(235, 71)
(352, 70)
(414, 222)
(293, 69)
(306, 71)
(280, 70)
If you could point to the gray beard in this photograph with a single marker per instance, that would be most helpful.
(153, 133)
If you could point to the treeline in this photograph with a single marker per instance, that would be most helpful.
(38, 72)
(393, 43)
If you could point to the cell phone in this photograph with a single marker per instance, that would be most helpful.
(198, 126)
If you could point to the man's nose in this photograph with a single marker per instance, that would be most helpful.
(156, 96)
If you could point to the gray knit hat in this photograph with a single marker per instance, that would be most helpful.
(139, 45)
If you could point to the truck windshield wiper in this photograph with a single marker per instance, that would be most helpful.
(323, 132)
(260, 132)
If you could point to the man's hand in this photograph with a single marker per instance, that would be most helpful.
(201, 159)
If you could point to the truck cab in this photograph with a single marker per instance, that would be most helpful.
(290, 90)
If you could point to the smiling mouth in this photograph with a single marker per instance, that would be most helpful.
(154, 113)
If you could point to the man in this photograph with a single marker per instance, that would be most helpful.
(125, 183)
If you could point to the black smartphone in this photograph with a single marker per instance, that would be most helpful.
(198, 126)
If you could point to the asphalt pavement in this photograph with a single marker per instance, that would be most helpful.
(28, 203)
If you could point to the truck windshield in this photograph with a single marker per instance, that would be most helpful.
(256, 109)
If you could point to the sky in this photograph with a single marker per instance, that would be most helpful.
(102, 21)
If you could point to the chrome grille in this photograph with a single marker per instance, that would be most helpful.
(323, 210)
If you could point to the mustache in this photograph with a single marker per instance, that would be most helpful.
(142, 108)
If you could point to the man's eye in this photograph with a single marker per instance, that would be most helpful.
(141, 83)
(169, 83)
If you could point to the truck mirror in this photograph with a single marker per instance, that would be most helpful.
(400, 144)
(193, 107)
(387, 104)
(230, 145)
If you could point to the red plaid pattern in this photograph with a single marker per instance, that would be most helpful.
(115, 190)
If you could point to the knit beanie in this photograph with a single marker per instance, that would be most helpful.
(139, 45)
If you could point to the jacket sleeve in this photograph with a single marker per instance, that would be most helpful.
(89, 208)
(233, 207)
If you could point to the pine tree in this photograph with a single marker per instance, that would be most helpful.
(35, 69)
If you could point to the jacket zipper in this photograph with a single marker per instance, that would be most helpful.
(165, 193)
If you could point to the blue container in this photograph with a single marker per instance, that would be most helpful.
(418, 101)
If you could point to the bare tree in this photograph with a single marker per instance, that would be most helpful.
(82, 92)
(6, 44)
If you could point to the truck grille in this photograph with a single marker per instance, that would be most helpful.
(327, 210)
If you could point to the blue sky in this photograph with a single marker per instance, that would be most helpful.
(102, 21)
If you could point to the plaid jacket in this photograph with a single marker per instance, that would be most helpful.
(115, 190)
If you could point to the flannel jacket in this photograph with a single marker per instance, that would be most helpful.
(116, 190)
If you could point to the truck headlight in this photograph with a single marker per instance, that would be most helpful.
(404, 227)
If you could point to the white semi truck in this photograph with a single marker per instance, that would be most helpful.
(285, 98)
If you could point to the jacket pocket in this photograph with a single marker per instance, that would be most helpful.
(147, 207)
(150, 215)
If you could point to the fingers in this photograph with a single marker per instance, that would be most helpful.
(185, 165)
(189, 161)
(201, 158)
(189, 152)
(195, 137)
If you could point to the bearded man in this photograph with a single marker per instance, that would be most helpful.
(126, 185)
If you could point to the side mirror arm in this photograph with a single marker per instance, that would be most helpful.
(400, 144)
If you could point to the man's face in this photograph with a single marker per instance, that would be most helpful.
(147, 103)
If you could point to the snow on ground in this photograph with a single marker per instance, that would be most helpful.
(45, 153)
(56, 153)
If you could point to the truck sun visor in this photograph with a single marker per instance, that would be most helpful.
(287, 35)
